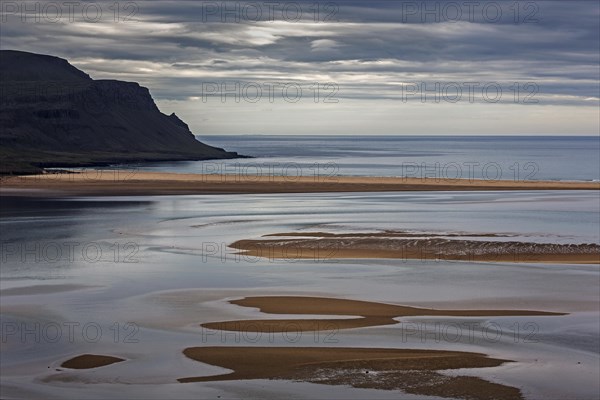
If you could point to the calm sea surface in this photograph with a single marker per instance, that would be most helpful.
(443, 157)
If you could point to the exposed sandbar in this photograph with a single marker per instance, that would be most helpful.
(107, 183)
(413, 371)
(371, 313)
(317, 246)
(87, 361)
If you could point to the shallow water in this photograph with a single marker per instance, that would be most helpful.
(134, 277)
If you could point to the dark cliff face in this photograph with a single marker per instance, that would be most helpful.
(52, 114)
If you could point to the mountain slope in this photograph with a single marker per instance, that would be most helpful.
(52, 114)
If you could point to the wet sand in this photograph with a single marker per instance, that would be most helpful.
(88, 361)
(108, 183)
(413, 371)
(395, 245)
(384, 234)
(372, 314)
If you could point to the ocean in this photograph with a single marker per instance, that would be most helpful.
(435, 157)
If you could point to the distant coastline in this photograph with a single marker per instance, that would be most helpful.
(55, 115)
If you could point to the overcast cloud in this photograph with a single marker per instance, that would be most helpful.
(372, 62)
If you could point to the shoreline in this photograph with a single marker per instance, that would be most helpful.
(131, 183)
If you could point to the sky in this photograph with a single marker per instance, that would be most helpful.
(355, 67)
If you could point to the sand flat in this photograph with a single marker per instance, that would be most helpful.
(105, 183)
(336, 306)
(372, 314)
(413, 371)
(297, 325)
(88, 361)
(383, 234)
(345, 246)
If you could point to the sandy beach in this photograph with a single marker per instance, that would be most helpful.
(115, 182)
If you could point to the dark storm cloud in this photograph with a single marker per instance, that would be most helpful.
(367, 47)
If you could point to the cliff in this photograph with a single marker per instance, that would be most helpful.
(53, 115)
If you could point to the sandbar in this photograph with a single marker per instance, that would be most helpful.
(88, 361)
(123, 182)
(413, 371)
(395, 245)
(371, 314)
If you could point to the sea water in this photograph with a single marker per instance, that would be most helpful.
(432, 157)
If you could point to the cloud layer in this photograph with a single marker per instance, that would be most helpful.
(378, 55)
